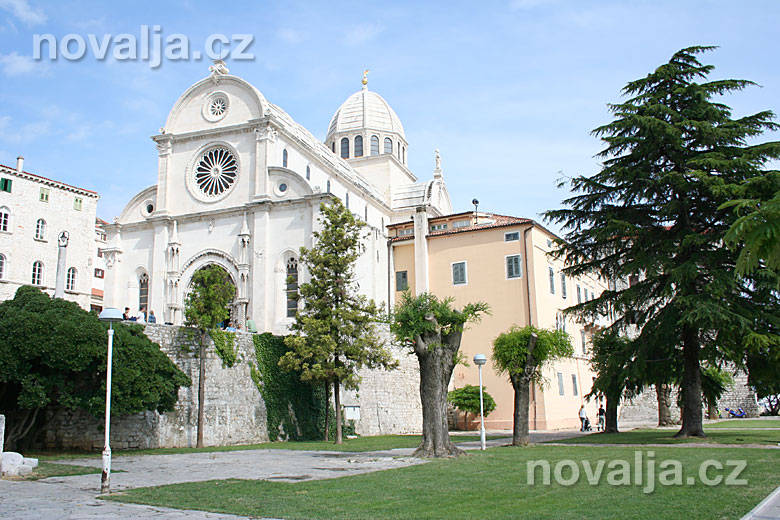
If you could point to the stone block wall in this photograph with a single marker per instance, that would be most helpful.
(235, 412)
(644, 407)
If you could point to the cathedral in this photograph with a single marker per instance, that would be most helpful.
(239, 184)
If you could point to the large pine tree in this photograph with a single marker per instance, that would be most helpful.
(673, 156)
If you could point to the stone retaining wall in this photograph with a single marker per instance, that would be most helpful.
(389, 402)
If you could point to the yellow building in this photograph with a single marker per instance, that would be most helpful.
(503, 261)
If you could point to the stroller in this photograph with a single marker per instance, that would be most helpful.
(738, 413)
(587, 427)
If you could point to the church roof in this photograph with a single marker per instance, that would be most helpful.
(365, 109)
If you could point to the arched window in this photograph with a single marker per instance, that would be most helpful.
(374, 145)
(345, 148)
(388, 145)
(143, 291)
(327, 187)
(333, 147)
(40, 229)
(365, 214)
(291, 287)
(70, 279)
(358, 146)
(308, 173)
(346, 201)
(398, 151)
(37, 273)
(2, 266)
(5, 219)
(403, 155)
(284, 158)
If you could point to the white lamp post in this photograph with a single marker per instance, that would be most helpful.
(480, 360)
(109, 315)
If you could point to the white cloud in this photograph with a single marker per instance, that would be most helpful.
(24, 11)
(290, 35)
(362, 33)
(15, 64)
(523, 5)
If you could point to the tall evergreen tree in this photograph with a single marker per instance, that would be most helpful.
(674, 155)
(335, 333)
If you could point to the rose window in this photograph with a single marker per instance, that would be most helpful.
(218, 106)
(216, 171)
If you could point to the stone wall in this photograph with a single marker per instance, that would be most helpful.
(235, 412)
(644, 407)
(388, 402)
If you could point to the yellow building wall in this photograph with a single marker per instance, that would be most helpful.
(485, 252)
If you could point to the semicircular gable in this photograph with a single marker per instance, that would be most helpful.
(240, 103)
(287, 184)
(133, 211)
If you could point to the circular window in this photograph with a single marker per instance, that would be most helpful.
(215, 171)
(216, 106)
(282, 187)
(150, 208)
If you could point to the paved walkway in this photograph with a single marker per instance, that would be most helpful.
(768, 509)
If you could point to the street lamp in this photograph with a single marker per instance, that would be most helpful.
(480, 360)
(109, 315)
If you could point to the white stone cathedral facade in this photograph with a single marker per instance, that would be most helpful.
(240, 184)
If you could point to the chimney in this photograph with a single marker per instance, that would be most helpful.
(20, 164)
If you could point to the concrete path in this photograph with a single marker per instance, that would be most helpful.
(768, 509)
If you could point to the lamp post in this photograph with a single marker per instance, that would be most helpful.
(109, 315)
(480, 360)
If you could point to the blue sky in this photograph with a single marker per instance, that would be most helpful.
(508, 91)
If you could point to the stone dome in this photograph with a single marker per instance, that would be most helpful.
(368, 110)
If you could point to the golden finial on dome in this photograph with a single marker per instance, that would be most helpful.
(365, 78)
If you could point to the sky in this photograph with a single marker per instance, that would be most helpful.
(507, 91)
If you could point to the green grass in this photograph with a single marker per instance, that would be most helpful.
(375, 443)
(747, 423)
(654, 436)
(489, 484)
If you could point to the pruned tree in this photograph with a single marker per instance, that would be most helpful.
(335, 333)
(206, 306)
(466, 399)
(433, 329)
(674, 156)
(522, 353)
(613, 358)
(53, 357)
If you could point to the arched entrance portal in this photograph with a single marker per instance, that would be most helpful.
(239, 280)
(232, 307)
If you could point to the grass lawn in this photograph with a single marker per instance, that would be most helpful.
(714, 436)
(747, 423)
(375, 443)
(491, 484)
(50, 469)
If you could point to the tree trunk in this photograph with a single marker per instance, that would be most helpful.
(611, 418)
(337, 404)
(522, 386)
(327, 409)
(520, 433)
(691, 387)
(664, 395)
(436, 355)
(201, 390)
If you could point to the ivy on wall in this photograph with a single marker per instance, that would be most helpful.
(225, 344)
(295, 410)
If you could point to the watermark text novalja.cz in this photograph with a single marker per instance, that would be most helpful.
(149, 45)
(644, 471)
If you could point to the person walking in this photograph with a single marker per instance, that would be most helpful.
(583, 417)
(602, 418)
